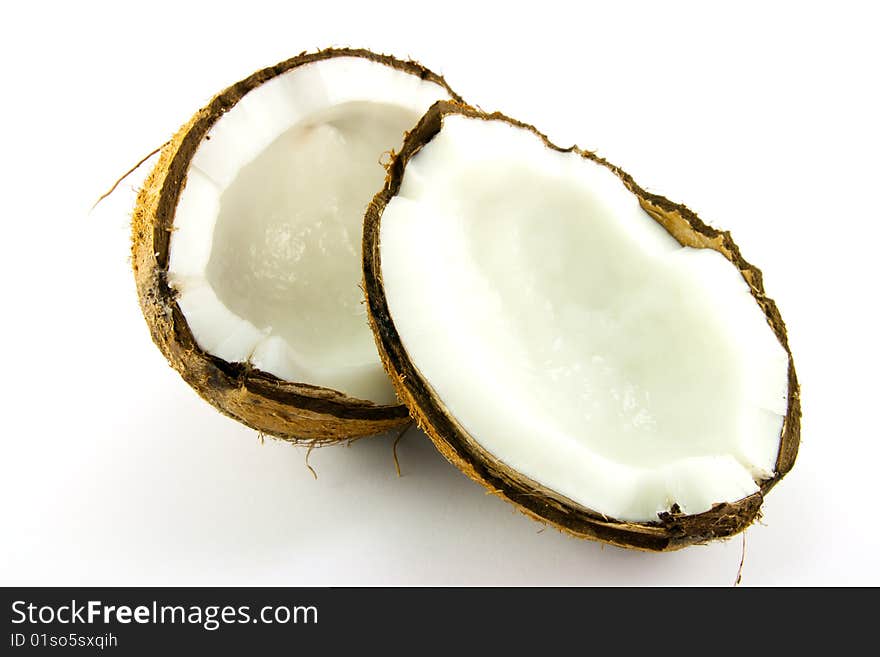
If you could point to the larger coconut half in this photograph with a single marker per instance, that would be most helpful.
(246, 242)
(593, 353)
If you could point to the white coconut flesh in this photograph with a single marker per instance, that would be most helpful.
(570, 335)
(265, 253)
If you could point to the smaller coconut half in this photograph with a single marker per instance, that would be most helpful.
(593, 353)
(246, 242)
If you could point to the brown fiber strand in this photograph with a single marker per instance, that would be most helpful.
(742, 561)
(308, 465)
(127, 174)
(400, 435)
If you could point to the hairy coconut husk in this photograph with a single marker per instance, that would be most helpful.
(296, 412)
(672, 530)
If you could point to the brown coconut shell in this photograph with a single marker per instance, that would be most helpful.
(296, 412)
(672, 530)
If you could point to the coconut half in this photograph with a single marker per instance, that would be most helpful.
(246, 242)
(592, 353)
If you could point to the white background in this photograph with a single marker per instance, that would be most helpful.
(762, 118)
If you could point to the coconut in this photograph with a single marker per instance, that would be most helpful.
(246, 242)
(590, 352)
